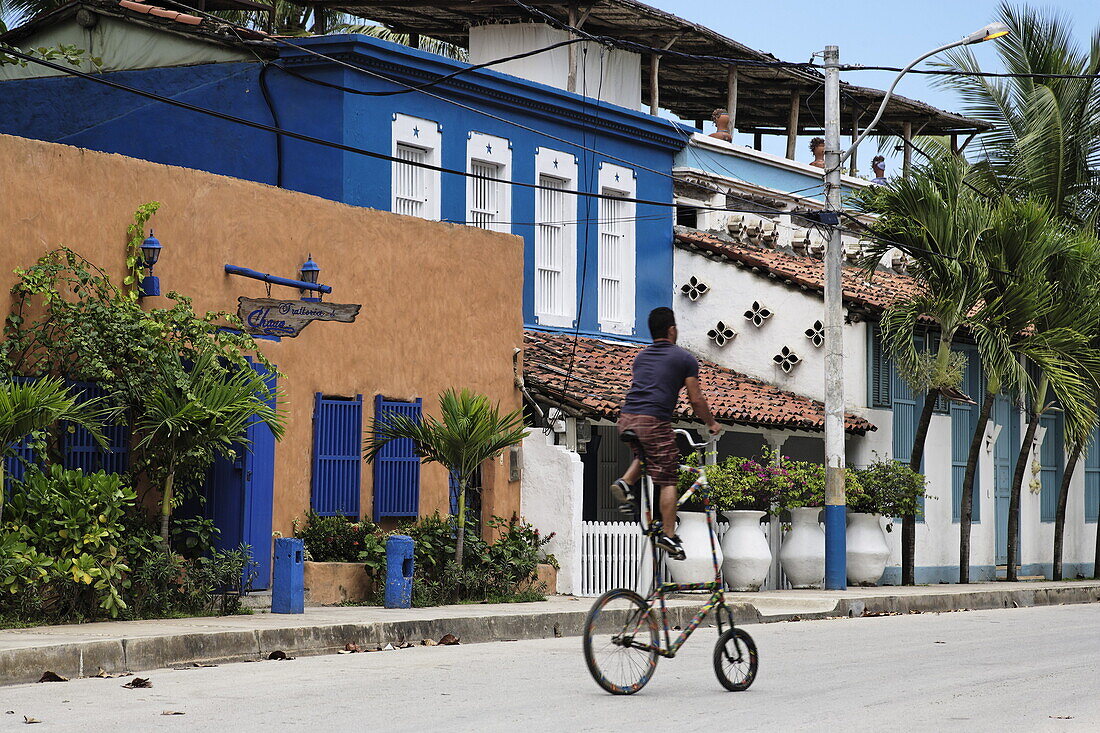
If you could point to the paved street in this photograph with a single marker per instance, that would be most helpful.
(1020, 669)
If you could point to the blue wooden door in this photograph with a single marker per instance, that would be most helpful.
(1005, 451)
(1092, 477)
(240, 496)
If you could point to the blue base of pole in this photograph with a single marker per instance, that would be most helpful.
(836, 547)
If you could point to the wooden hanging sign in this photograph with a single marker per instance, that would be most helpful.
(287, 318)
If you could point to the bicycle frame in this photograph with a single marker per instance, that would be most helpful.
(656, 596)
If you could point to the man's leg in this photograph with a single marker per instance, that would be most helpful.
(668, 509)
(633, 472)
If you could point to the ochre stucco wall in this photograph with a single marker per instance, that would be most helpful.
(441, 303)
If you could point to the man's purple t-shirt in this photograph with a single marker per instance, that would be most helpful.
(659, 373)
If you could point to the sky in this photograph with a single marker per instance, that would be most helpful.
(870, 32)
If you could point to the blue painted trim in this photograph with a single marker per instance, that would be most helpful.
(836, 547)
(255, 336)
(948, 574)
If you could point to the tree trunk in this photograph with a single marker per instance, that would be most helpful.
(1014, 496)
(909, 521)
(966, 511)
(166, 509)
(460, 540)
(2, 479)
(1063, 499)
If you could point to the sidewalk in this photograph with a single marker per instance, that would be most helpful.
(81, 650)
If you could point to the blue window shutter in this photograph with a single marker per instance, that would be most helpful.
(1051, 462)
(397, 467)
(1092, 477)
(81, 450)
(964, 418)
(337, 455)
(906, 414)
(880, 370)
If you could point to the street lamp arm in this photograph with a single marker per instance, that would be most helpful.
(889, 92)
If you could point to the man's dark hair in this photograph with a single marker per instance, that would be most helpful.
(815, 142)
(660, 320)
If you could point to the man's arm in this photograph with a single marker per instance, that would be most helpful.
(699, 404)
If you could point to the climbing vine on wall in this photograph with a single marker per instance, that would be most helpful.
(135, 234)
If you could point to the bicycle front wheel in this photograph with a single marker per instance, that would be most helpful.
(620, 622)
(735, 660)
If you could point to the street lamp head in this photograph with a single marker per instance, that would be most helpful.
(309, 271)
(150, 250)
(991, 31)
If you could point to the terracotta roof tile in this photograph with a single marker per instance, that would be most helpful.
(877, 294)
(601, 373)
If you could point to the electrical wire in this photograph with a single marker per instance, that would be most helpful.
(950, 72)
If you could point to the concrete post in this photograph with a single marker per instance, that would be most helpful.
(836, 573)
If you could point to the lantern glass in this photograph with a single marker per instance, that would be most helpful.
(150, 250)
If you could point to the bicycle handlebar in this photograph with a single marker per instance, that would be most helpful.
(692, 443)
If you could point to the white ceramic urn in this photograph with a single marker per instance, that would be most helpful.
(746, 555)
(867, 549)
(698, 566)
(803, 552)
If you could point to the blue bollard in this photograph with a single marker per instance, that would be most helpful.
(399, 572)
(288, 594)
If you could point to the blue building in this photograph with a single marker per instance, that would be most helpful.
(590, 263)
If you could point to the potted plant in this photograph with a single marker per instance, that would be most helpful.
(885, 488)
(698, 565)
(742, 489)
(800, 489)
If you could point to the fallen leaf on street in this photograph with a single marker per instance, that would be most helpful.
(49, 676)
(172, 712)
(1061, 717)
(939, 642)
(350, 648)
(449, 640)
(404, 644)
(278, 655)
(29, 719)
(428, 642)
(138, 683)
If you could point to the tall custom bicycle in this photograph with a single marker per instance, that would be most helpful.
(623, 632)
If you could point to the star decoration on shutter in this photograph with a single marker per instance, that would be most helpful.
(721, 334)
(555, 162)
(616, 178)
(694, 289)
(489, 148)
(416, 132)
(816, 334)
(787, 360)
(757, 314)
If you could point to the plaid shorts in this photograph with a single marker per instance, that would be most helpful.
(662, 455)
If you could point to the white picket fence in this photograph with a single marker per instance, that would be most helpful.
(613, 554)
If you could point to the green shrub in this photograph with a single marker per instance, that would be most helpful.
(334, 539)
(890, 488)
(75, 520)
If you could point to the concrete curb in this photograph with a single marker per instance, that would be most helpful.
(26, 664)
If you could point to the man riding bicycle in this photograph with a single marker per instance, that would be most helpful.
(660, 371)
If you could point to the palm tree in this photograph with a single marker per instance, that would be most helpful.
(32, 406)
(471, 432)
(1045, 141)
(204, 414)
(938, 221)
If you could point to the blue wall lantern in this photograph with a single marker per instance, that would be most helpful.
(309, 272)
(150, 252)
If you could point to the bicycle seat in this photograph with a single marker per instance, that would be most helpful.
(629, 436)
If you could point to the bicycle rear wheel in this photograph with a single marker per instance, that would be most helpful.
(619, 619)
(735, 660)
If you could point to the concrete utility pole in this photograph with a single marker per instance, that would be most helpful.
(836, 568)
